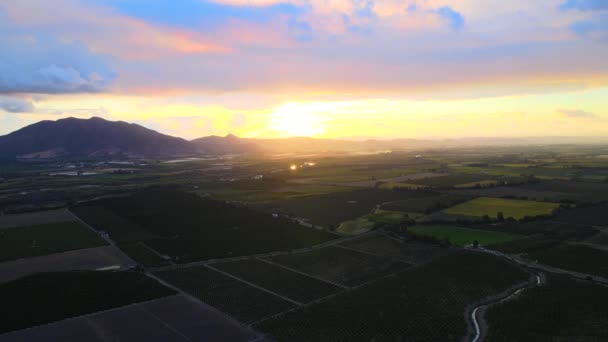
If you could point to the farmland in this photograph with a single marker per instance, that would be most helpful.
(287, 283)
(412, 252)
(344, 266)
(246, 303)
(562, 310)
(516, 209)
(463, 236)
(345, 247)
(187, 227)
(48, 297)
(30, 241)
(430, 305)
(574, 258)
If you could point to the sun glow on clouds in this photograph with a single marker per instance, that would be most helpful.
(300, 119)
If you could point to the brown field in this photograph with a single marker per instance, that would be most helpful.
(174, 318)
(36, 218)
(84, 259)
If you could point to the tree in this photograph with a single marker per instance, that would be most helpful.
(500, 216)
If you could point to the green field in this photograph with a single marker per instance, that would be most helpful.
(47, 297)
(354, 227)
(561, 310)
(463, 236)
(490, 206)
(450, 181)
(246, 303)
(31, 241)
(391, 216)
(421, 304)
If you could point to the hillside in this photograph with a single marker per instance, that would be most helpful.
(94, 137)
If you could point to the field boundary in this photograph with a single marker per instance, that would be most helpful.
(254, 285)
(303, 273)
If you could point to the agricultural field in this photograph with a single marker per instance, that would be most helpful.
(592, 215)
(347, 206)
(355, 227)
(48, 297)
(188, 228)
(463, 236)
(44, 239)
(425, 202)
(102, 219)
(412, 252)
(246, 303)
(561, 310)
(430, 306)
(143, 254)
(341, 265)
(573, 257)
(516, 209)
(35, 218)
(452, 180)
(296, 286)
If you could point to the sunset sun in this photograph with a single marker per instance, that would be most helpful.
(297, 119)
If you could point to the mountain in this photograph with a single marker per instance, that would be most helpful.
(229, 144)
(94, 137)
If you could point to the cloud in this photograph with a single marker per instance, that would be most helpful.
(36, 62)
(15, 105)
(585, 5)
(454, 19)
(576, 113)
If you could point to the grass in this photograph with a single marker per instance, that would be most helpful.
(31, 241)
(48, 297)
(490, 206)
(355, 227)
(422, 304)
(562, 310)
(246, 303)
(463, 236)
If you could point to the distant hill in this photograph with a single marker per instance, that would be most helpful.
(229, 144)
(94, 137)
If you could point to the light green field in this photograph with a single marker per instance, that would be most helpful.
(391, 217)
(516, 209)
(354, 227)
(463, 236)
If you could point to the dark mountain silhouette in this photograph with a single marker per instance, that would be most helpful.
(229, 144)
(90, 137)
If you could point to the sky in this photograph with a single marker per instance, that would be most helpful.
(320, 68)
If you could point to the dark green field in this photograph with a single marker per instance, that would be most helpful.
(341, 265)
(574, 258)
(30, 241)
(462, 236)
(422, 304)
(187, 227)
(562, 310)
(49, 297)
(290, 284)
(236, 298)
(141, 253)
(450, 181)
(344, 205)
